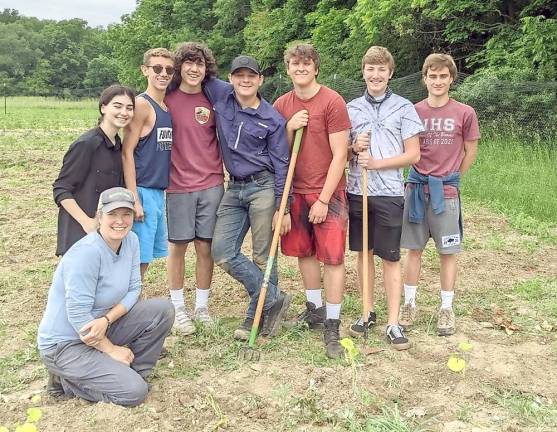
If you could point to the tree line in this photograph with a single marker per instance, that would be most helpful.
(494, 40)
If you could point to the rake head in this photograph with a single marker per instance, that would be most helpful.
(249, 354)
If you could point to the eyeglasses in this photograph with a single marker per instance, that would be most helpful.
(158, 69)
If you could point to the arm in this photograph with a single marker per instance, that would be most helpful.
(470, 153)
(337, 142)
(131, 138)
(75, 168)
(297, 121)
(279, 154)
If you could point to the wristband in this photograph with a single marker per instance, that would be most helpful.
(322, 202)
(108, 321)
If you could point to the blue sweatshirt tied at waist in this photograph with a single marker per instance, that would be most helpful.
(416, 211)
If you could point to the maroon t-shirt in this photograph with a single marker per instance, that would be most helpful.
(195, 159)
(442, 143)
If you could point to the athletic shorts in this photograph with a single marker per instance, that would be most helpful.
(192, 215)
(444, 228)
(384, 225)
(152, 231)
(326, 240)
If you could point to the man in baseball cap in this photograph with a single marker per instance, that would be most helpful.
(244, 61)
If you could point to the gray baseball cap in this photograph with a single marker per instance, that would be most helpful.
(244, 61)
(116, 197)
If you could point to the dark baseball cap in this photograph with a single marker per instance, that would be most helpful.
(244, 61)
(116, 197)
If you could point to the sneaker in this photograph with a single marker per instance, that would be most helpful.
(313, 316)
(54, 386)
(446, 322)
(407, 316)
(357, 329)
(201, 314)
(275, 315)
(243, 332)
(395, 336)
(182, 322)
(331, 337)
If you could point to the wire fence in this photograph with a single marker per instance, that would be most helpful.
(526, 109)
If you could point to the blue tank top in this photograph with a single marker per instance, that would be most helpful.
(152, 154)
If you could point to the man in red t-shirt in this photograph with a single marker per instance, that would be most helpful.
(319, 210)
(196, 180)
(448, 149)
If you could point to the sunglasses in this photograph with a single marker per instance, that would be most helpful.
(158, 69)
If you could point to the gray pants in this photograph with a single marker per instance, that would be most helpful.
(93, 375)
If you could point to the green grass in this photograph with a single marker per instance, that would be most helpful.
(529, 409)
(518, 180)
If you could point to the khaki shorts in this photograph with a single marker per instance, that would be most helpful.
(444, 228)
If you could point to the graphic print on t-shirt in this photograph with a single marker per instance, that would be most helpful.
(164, 139)
(202, 114)
(439, 131)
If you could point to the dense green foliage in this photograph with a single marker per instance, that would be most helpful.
(497, 41)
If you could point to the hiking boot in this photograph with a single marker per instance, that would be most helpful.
(201, 314)
(357, 329)
(313, 316)
(275, 315)
(446, 322)
(182, 322)
(395, 336)
(54, 386)
(331, 336)
(243, 332)
(407, 316)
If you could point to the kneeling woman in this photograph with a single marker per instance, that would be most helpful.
(96, 339)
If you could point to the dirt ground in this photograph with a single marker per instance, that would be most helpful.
(509, 383)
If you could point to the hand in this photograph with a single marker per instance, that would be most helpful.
(286, 223)
(362, 142)
(121, 354)
(365, 160)
(139, 214)
(318, 212)
(94, 331)
(298, 120)
(89, 225)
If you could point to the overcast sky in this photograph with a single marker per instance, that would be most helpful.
(95, 12)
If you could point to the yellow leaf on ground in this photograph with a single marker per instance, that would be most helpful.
(456, 364)
(36, 398)
(465, 346)
(4, 429)
(347, 343)
(34, 415)
(26, 427)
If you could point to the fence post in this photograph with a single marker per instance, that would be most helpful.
(5, 101)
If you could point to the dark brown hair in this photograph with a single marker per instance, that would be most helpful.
(437, 61)
(302, 51)
(111, 92)
(192, 51)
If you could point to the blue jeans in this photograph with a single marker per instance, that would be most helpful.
(247, 205)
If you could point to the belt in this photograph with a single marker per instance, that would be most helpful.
(250, 178)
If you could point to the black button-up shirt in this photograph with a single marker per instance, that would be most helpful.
(91, 165)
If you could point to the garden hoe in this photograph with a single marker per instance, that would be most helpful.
(365, 253)
(250, 353)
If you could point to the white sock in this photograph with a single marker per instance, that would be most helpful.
(447, 299)
(201, 298)
(410, 295)
(333, 310)
(177, 297)
(314, 296)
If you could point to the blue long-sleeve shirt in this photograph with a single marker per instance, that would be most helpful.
(89, 281)
(251, 140)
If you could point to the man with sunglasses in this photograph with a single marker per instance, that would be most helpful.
(146, 156)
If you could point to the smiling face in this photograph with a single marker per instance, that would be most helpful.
(302, 71)
(438, 81)
(192, 74)
(117, 113)
(246, 83)
(376, 77)
(115, 225)
(159, 72)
